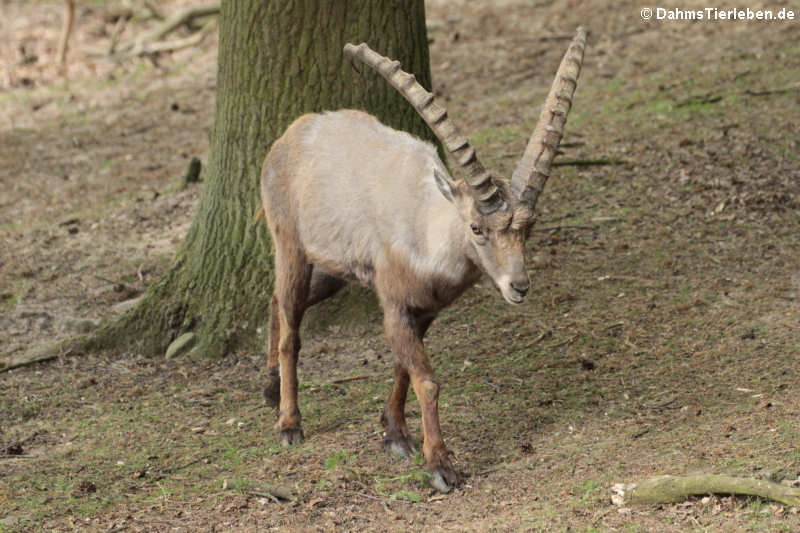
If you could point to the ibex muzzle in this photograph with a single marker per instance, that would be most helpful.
(347, 198)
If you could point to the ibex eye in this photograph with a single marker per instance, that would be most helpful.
(476, 230)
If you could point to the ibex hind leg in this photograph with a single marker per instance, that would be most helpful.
(292, 280)
(272, 391)
(322, 286)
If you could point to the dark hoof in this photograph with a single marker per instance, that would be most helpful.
(399, 446)
(289, 437)
(272, 393)
(442, 478)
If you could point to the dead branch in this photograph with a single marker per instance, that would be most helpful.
(672, 489)
(154, 11)
(148, 49)
(790, 88)
(170, 24)
(273, 493)
(66, 30)
(276, 493)
(699, 99)
(119, 25)
(548, 229)
(596, 220)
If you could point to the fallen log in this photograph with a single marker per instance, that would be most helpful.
(672, 489)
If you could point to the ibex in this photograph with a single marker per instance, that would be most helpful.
(347, 198)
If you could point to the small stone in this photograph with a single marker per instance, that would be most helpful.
(180, 345)
(127, 304)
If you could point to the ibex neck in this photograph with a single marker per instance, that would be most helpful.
(450, 250)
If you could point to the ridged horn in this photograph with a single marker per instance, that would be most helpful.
(533, 169)
(482, 186)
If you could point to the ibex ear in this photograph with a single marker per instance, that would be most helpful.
(447, 187)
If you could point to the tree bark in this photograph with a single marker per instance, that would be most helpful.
(277, 60)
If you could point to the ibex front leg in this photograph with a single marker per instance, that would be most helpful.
(397, 439)
(407, 346)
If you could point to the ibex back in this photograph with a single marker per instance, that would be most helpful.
(347, 198)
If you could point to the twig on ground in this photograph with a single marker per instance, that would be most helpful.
(368, 496)
(548, 229)
(598, 220)
(541, 337)
(589, 162)
(348, 379)
(699, 99)
(563, 37)
(782, 90)
(111, 281)
(672, 489)
(562, 343)
(275, 493)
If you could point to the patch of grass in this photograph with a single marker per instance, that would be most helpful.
(416, 477)
(338, 459)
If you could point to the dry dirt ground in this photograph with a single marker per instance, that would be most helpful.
(662, 335)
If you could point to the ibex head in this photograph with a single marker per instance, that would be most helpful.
(497, 214)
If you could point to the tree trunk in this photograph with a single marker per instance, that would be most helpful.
(277, 60)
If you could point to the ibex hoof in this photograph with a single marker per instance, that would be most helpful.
(289, 437)
(400, 447)
(442, 480)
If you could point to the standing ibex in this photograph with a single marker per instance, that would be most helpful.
(348, 198)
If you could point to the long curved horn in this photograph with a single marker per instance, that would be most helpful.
(480, 182)
(533, 168)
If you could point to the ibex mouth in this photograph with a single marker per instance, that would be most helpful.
(513, 297)
(504, 287)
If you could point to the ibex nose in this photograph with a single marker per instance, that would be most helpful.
(521, 286)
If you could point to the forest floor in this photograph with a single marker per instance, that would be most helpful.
(661, 336)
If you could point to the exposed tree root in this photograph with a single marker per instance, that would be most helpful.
(672, 489)
(47, 352)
